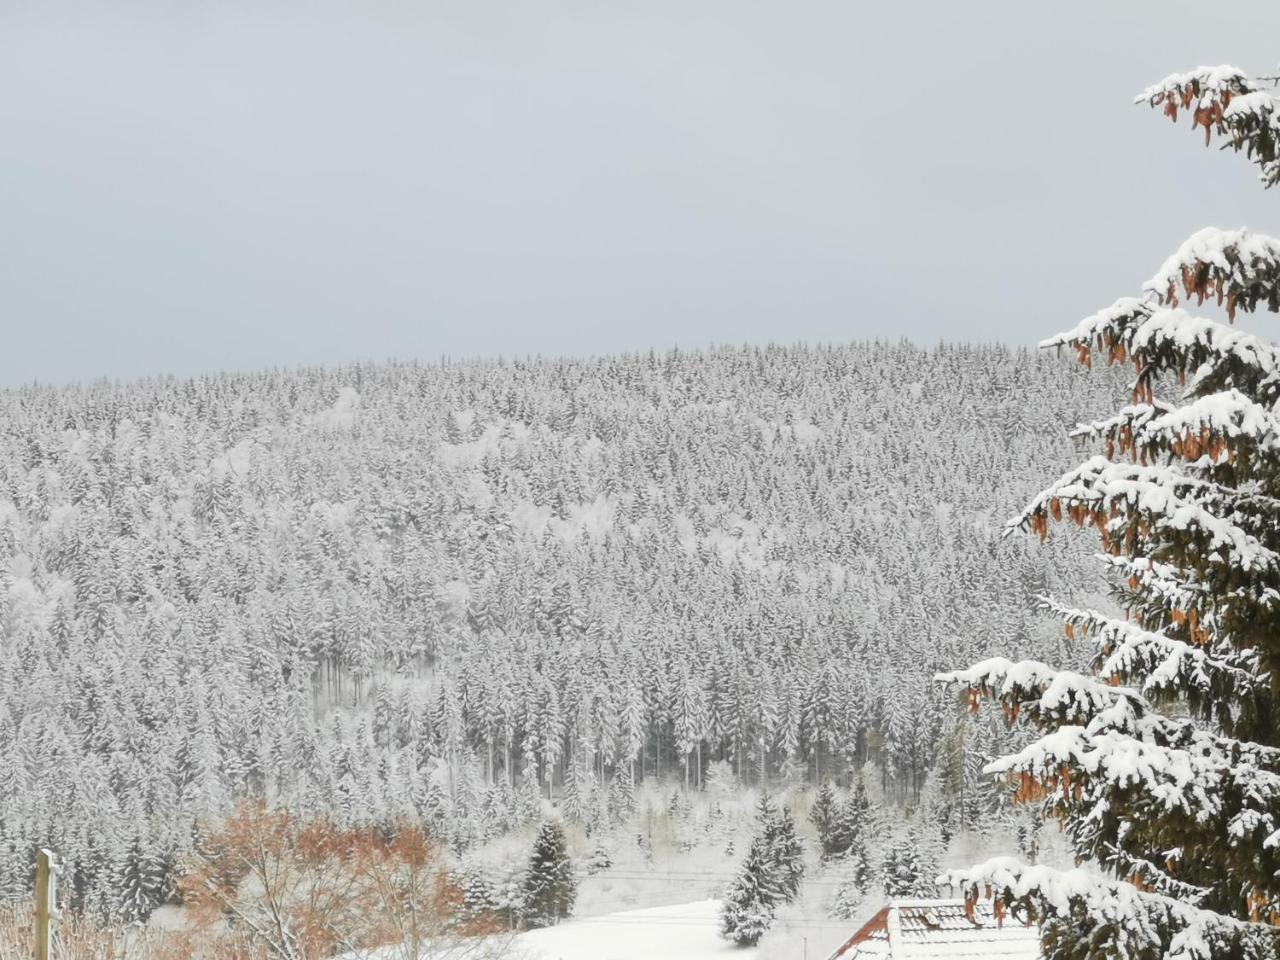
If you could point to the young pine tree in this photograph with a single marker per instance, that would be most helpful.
(140, 881)
(823, 814)
(1164, 766)
(549, 886)
(786, 853)
(847, 834)
(906, 871)
(851, 887)
(751, 898)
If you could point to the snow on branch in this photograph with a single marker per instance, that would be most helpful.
(1202, 81)
(1107, 756)
(1099, 491)
(1211, 425)
(1132, 417)
(1044, 695)
(1104, 329)
(1157, 339)
(1235, 267)
(1172, 339)
(1209, 430)
(1164, 663)
(1118, 430)
(1135, 923)
(1227, 102)
(1172, 767)
(1175, 588)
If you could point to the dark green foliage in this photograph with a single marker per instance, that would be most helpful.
(908, 872)
(842, 824)
(752, 898)
(480, 901)
(769, 877)
(141, 881)
(549, 886)
(786, 853)
(823, 813)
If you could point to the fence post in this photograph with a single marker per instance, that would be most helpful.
(46, 863)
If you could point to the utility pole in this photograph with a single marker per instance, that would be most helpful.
(46, 865)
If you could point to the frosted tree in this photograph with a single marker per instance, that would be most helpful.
(847, 828)
(853, 879)
(785, 853)
(751, 899)
(908, 871)
(549, 886)
(139, 881)
(822, 814)
(1163, 764)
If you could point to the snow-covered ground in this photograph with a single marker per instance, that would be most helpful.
(685, 931)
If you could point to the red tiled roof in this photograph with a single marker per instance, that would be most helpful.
(935, 929)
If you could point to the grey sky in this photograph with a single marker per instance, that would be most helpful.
(192, 185)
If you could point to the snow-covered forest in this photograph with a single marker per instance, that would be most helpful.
(456, 590)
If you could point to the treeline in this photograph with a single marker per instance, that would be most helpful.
(445, 591)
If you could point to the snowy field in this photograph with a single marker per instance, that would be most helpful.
(685, 931)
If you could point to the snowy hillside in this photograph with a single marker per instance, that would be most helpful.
(456, 591)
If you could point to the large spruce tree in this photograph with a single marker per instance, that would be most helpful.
(1164, 765)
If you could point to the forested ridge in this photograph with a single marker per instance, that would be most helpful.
(444, 590)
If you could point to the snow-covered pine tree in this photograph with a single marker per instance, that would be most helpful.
(785, 852)
(600, 859)
(1164, 766)
(847, 833)
(904, 870)
(851, 887)
(480, 902)
(822, 815)
(549, 886)
(751, 898)
(139, 881)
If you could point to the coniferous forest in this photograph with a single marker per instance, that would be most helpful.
(453, 591)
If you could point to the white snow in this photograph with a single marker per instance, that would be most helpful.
(1235, 253)
(342, 415)
(685, 931)
(1206, 79)
(1158, 494)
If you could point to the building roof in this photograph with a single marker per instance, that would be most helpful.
(935, 929)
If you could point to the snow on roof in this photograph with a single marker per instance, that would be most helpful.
(937, 929)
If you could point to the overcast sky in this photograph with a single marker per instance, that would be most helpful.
(189, 186)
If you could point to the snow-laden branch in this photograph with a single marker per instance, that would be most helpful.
(1195, 780)
(1168, 339)
(1129, 431)
(1236, 267)
(1125, 777)
(1053, 698)
(1099, 490)
(1163, 663)
(1193, 341)
(1136, 923)
(1098, 329)
(1129, 418)
(1191, 430)
(1044, 695)
(1226, 101)
(1176, 588)
(1204, 81)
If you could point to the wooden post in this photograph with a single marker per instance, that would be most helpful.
(46, 863)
